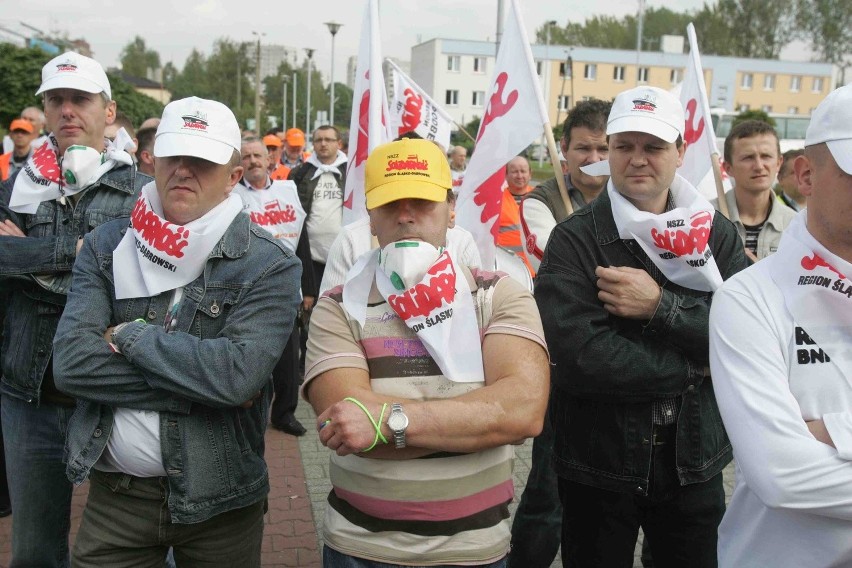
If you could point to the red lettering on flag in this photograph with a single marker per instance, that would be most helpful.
(437, 287)
(692, 132)
(683, 243)
(810, 263)
(411, 113)
(158, 232)
(496, 106)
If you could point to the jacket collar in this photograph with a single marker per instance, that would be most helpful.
(601, 211)
(235, 242)
(122, 178)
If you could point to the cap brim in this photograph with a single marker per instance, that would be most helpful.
(841, 151)
(646, 124)
(405, 189)
(71, 82)
(172, 144)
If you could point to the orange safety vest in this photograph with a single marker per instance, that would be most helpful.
(509, 236)
(280, 173)
(5, 166)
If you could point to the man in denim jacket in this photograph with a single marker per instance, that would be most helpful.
(168, 340)
(624, 291)
(42, 220)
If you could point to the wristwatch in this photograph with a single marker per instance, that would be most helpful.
(398, 422)
(115, 331)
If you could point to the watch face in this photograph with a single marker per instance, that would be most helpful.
(397, 421)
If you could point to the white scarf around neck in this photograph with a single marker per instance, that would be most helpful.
(439, 309)
(42, 178)
(155, 255)
(676, 241)
(817, 289)
(333, 168)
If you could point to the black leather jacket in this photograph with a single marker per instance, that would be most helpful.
(607, 371)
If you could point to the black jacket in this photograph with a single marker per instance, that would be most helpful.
(607, 371)
(301, 175)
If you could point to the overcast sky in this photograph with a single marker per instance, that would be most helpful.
(174, 27)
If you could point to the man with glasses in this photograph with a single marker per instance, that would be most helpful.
(320, 182)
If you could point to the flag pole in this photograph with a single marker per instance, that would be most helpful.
(557, 167)
(720, 189)
(466, 133)
(705, 104)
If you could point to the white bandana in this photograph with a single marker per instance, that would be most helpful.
(41, 179)
(439, 309)
(156, 255)
(817, 289)
(333, 168)
(277, 209)
(676, 241)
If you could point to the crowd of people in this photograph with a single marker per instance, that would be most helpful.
(171, 291)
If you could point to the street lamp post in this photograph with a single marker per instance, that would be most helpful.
(333, 27)
(257, 84)
(295, 98)
(285, 82)
(310, 53)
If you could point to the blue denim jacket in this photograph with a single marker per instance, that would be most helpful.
(232, 324)
(49, 251)
(607, 370)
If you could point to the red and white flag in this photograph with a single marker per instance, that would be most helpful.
(514, 118)
(697, 167)
(413, 110)
(368, 127)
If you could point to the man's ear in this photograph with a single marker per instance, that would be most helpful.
(802, 171)
(110, 113)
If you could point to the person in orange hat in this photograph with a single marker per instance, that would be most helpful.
(275, 147)
(294, 148)
(22, 134)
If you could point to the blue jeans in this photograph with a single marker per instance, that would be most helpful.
(34, 437)
(537, 526)
(334, 559)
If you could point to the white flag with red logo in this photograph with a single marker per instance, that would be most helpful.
(368, 127)
(698, 134)
(413, 110)
(514, 119)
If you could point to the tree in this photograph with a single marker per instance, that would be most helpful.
(758, 28)
(827, 26)
(136, 106)
(753, 114)
(20, 77)
(343, 105)
(136, 58)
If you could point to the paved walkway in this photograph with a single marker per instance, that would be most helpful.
(298, 471)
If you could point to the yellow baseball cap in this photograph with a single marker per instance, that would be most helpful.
(406, 169)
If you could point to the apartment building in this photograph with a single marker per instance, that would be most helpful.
(457, 74)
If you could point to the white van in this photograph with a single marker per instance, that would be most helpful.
(790, 127)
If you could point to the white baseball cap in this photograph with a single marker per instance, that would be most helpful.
(198, 127)
(831, 123)
(647, 109)
(74, 71)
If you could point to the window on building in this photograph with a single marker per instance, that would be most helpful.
(454, 63)
(795, 83)
(766, 108)
(479, 65)
(590, 72)
(564, 69)
(747, 81)
(742, 107)
(452, 97)
(792, 110)
(564, 102)
(642, 75)
(618, 73)
(478, 99)
(769, 83)
(676, 76)
(817, 88)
